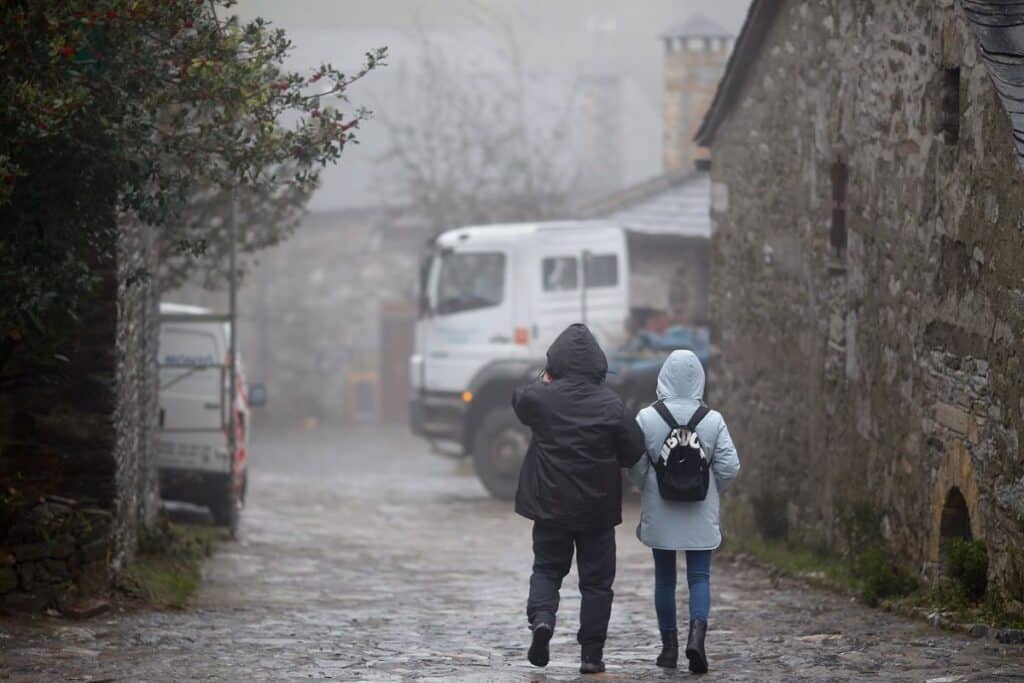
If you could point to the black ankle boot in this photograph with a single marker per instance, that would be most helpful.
(592, 661)
(539, 653)
(669, 657)
(695, 647)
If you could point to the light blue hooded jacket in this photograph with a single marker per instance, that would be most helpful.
(674, 525)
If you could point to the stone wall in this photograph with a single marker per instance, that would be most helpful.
(137, 379)
(670, 273)
(888, 370)
(75, 455)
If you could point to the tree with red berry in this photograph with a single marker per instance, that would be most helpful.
(128, 108)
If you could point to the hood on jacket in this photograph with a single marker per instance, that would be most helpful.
(576, 353)
(681, 376)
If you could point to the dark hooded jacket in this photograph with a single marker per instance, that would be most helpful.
(581, 438)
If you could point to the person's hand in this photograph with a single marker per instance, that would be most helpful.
(545, 377)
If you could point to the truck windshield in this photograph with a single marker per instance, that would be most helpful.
(470, 280)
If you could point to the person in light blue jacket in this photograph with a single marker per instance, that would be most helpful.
(668, 526)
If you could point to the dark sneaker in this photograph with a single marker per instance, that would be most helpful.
(588, 667)
(539, 654)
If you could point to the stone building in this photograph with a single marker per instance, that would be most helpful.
(76, 481)
(666, 217)
(867, 288)
(668, 232)
(695, 55)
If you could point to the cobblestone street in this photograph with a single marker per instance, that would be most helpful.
(361, 557)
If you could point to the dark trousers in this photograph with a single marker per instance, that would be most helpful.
(595, 561)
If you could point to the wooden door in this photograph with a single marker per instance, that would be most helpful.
(397, 334)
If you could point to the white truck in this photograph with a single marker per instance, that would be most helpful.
(493, 298)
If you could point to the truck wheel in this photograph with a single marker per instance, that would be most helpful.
(225, 509)
(499, 447)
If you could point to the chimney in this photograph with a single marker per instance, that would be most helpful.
(696, 53)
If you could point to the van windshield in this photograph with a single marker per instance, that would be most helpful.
(470, 280)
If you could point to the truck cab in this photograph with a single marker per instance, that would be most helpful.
(493, 298)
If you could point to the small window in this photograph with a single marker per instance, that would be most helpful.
(559, 274)
(950, 112)
(602, 270)
(840, 172)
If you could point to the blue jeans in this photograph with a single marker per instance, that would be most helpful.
(698, 578)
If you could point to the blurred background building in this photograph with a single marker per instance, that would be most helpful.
(696, 53)
(327, 317)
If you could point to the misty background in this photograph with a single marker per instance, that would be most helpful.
(560, 44)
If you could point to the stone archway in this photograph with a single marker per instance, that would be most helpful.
(955, 509)
(955, 523)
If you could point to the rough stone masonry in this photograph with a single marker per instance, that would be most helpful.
(867, 289)
(76, 478)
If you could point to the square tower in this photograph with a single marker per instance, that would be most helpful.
(696, 53)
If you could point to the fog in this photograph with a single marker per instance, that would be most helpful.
(297, 386)
(559, 41)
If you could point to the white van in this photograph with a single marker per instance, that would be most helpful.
(192, 452)
(493, 298)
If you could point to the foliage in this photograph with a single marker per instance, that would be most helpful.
(796, 560)
(770, 516)
(879, 571)
(199, 244)
(167, 569)
(948, 598)
(968, 567)
(859, 526)
(473, 154)
(882, 576)
(111, 106)
(12, 501)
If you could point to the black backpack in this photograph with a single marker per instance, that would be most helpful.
(682, 466)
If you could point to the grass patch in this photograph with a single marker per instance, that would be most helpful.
(800, 562)
(877, 578)
(166, 570)
(947, 598)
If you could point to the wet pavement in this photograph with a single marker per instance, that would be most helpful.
(362, 557)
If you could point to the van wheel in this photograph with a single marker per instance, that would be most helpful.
(225, 509)
(499, 447)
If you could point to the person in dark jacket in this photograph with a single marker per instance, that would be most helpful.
(571, 487)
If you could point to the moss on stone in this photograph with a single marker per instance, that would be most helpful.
(166, 571)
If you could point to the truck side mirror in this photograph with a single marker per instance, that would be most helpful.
(257, 396)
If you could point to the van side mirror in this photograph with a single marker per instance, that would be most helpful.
(257, 396)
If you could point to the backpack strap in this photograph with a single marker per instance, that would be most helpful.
(666, 414)
(701, 413)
